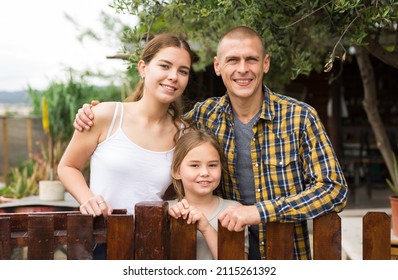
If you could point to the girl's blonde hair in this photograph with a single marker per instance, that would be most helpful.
(159, 42)
(187, 142)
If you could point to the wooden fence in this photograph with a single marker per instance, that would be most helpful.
(152, 235)
(19, 135)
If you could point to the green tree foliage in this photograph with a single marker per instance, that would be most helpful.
(301, 36)
(64, 99)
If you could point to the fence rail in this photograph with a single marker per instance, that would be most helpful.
(151, 235)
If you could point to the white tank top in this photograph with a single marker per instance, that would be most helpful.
(125, 173)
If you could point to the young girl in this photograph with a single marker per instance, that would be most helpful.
(196, 169)
(132, 144)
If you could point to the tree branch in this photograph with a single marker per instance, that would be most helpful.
(370, 105)
(377, 50)
(304, 17)
(118, 56)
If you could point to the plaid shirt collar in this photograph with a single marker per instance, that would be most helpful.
(267, 109)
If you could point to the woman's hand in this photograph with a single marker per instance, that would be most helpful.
(96, 206)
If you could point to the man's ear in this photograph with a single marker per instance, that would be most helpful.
(267, 62)
(216, 64)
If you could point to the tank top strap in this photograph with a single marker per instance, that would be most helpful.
(121, 114)
(114, 119)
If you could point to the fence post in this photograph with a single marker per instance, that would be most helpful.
(5, 148)
(41, 237)
(5, 239)
(182, 240)
(376, 236)
(152, 229)
(231, 244)
(29, 131)
(80, 239)
(120, 237)
(327, 237)
(280, 241)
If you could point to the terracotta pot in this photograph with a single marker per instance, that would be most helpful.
(394, 213)
(51, 190)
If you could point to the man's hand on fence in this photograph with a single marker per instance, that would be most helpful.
(236, 217)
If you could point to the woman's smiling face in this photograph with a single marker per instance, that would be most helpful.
(167, 74)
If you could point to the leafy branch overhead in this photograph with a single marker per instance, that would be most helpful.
(301, 36)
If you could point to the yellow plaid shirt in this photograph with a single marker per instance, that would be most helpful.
(296, 173)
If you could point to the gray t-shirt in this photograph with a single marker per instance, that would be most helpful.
(244, 173)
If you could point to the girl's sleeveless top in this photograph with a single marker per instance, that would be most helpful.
(125, 173)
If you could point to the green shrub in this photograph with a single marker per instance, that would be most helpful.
(64, 99)
(22, 181)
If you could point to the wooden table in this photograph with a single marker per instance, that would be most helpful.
(35, 204)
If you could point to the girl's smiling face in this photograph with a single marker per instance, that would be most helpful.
(200, 171)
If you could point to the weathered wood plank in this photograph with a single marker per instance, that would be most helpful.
(182, 240)
(327, 237)
(40, 237)
(376, 236)
(80, 240)
(152, 231)
(279, 241)
(231, 244)
(5, 239)
(19, 221)
(120, 237)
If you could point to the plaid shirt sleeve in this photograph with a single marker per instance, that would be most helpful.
(316, 186)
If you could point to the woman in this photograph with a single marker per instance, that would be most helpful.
(132, 144)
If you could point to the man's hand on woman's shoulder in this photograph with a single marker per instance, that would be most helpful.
(84, 117)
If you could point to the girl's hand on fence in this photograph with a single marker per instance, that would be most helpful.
(196, 216)
(191, 214)
(96, 206)
(180, 209)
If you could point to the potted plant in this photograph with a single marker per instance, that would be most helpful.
(50, 189)
(394, 198)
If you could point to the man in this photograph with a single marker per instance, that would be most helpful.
(281, 164)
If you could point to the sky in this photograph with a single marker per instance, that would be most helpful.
(37, 42)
